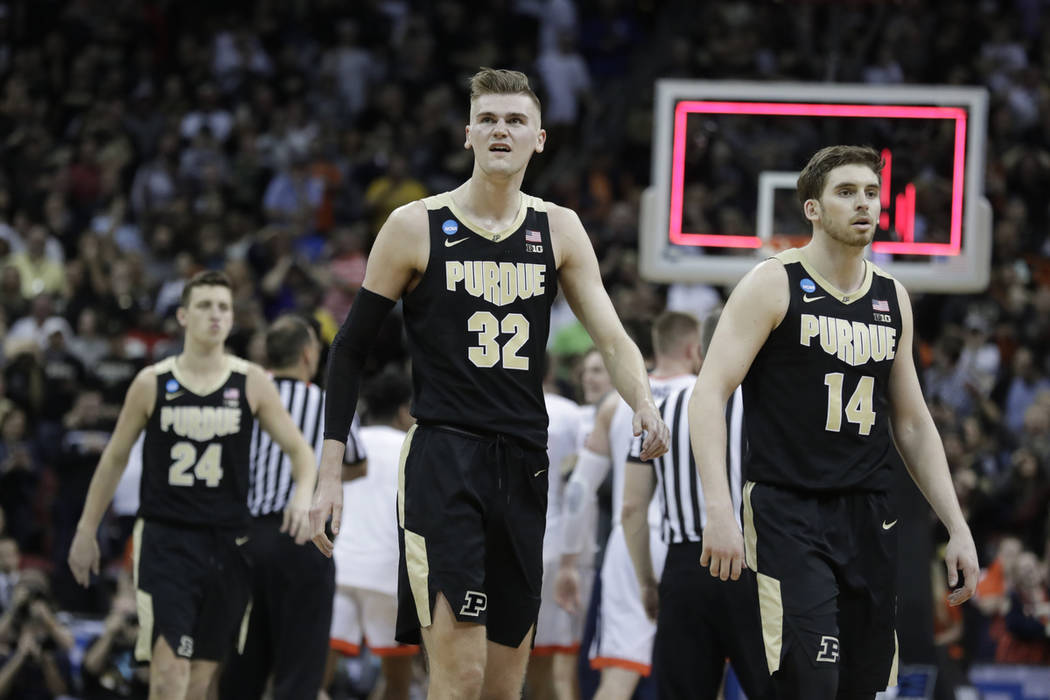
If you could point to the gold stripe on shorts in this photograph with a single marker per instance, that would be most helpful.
(143, 600)
(418, 574)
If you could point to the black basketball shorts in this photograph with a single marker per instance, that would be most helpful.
(472, 511)
(826, 566)
(193, 587)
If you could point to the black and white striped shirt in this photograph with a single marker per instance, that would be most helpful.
(270, 483)
(680, 496)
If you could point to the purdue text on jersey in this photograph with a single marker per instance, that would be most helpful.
(478, 322)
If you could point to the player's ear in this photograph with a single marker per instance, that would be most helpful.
(811, 209)
(466, 137)
(180, 315)
(541, 139)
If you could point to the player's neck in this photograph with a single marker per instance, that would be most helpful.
(201, 359)
(668, 368)
(487, 200)
(295, 372)
(839, 264)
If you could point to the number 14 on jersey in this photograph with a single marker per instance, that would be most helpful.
(859, 409)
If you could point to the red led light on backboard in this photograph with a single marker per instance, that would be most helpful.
(905, 202)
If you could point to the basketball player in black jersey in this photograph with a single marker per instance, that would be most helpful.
(822, 341)
(477, 270)
(190, 575)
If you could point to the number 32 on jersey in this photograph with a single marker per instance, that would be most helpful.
(488, 352)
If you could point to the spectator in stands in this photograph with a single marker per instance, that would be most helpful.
(109, 668)
(19, 477)
(1027, 636)
(36, 665)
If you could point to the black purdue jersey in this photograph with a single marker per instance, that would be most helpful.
(478, 320)
(817, 394)
(195, 453)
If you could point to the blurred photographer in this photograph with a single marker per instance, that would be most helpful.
(110, 670)
(34, 646)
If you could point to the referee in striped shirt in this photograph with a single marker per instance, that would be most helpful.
(293, 585)
(700, 620)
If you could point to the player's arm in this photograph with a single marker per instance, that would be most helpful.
(357, 470)
(355, 460)
(274, 419)
(581, 492)
(639, 483)
(581, 281)
(920, 445)
(138, 405)
(754, 309)
(399, 254)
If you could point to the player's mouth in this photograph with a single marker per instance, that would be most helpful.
(499, 148)
(861, 222)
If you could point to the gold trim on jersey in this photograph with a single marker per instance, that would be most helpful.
(793, 255)
(896, 658)
(771, 610)
(405, 447)
(191, 384)
(242, 636)
(143, 600)
(444, 199)
(750, 534)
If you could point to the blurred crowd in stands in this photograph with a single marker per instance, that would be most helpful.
(144, 140)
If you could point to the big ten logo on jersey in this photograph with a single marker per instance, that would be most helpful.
(497, 283)
(853, 342)
(200, 423)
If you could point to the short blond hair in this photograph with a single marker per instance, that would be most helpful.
(500, 81)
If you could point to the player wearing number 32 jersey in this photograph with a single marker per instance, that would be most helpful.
(191, 575)
(477, 270)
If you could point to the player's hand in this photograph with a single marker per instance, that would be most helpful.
(657, 436)
(297, 519)
(651, 599)
(723, 551)
(83, 557)
(567, 589)
(961, 555)
(328, 501)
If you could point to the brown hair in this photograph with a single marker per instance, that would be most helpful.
(815, 175)
(499, 81)
(670, 328)
(286, 339)
(207, 278)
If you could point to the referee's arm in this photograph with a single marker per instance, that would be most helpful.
(274, 419)
(639, 483)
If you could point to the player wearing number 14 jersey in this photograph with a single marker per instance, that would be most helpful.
(197, 411)
(477, 269)
(822, 341)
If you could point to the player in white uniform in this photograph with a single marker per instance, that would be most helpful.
(552, 667)
(623, 643)
(366, 551)
(557, 630)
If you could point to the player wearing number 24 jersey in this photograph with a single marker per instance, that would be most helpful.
(197, 410)
(821, 340)
(477, 269)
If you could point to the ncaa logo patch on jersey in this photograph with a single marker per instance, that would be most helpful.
(808, 285)
(450, 227)
(171, 386)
